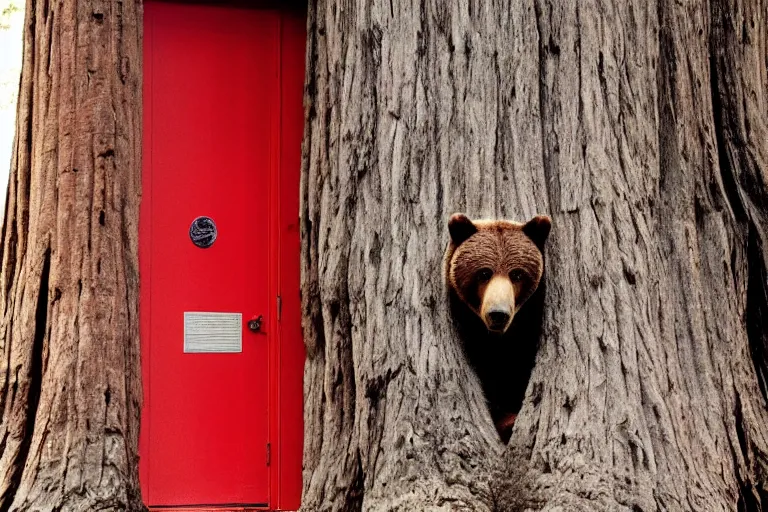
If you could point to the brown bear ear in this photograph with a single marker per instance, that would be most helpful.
(537, 230)
(460, 228)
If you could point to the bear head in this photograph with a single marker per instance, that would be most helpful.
(494, 266)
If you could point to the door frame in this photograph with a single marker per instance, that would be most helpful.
(285, 346)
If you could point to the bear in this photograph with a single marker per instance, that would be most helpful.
(492, 269)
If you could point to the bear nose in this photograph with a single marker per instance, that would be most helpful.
(498, 318)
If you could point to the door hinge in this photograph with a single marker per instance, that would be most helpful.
(269, 454)
(279, 308)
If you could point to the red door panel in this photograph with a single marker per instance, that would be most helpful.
(290, 383)
(212, 100)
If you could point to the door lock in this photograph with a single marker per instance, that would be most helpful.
(254, 324)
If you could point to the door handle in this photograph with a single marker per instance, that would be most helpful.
(254, 324)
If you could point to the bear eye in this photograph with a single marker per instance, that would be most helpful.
(516, 275)
(484, 275)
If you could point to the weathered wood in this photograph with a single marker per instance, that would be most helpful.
(70, 389)
(641, 129)
(647, 395)
(409, 120)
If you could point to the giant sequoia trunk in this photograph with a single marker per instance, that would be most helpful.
(69, 377)
(640, 127)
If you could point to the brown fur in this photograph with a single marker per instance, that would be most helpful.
(496, 266)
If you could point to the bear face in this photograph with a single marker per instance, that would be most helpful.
(494, 266)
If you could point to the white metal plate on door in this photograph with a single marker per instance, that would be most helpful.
(213, 332)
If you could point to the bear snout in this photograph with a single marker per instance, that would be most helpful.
(498, 319)
(498, 305)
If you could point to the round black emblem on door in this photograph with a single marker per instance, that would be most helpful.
(202, 232)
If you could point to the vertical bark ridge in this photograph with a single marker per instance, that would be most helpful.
(17, 363)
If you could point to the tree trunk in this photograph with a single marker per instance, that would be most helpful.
(70, 389)
(641, 129)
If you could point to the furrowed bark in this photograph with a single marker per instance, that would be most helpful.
(640, 128)
(70, 389)
(645, 397)
(409, 120)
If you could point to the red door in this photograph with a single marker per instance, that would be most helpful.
(211, 134)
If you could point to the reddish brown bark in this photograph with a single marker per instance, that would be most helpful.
(70, 389)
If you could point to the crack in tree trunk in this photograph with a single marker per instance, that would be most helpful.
(35, 381)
